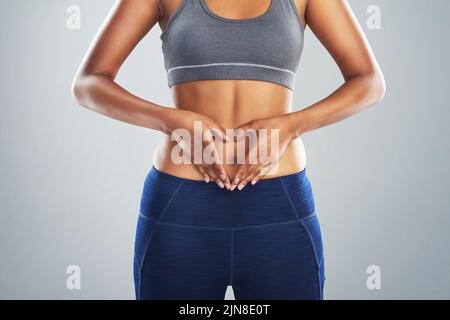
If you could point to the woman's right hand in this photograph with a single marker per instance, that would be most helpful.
(177, 121)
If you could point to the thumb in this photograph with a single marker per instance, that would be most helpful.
(241, 132)
(219, 132)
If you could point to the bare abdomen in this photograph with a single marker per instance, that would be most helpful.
(231, 103)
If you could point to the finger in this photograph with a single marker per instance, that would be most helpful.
(212, 176)
(214, 169)
(224, 177)
(250, 174)
(242, 132)
(213, 158)
(217, 165)
(221, 173)
(262, 173)
(219, 132)
(253, 175)
(245, 168)
(239, 133)
(210, 171)
(220, 183)
(238, 176)
(203, 173)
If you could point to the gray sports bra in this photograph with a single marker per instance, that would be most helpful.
(200, 45)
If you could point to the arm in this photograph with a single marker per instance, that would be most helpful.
(94, 86)
(338, 30)
(335, 26)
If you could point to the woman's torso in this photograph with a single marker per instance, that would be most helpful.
(230, 103)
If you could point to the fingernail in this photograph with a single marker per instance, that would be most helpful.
(206, 179)
(220, 184)
(241, 186)
(227, 185)
(233, 187)
(253, 182)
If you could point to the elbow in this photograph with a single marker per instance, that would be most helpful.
(85, 87)
(78, 90)
(378, 86)
(372, 86)
(375, 86)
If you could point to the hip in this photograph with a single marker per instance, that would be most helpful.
(169, 199)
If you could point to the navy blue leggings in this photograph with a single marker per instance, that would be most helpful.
(193, 239)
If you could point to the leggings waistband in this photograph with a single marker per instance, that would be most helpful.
(181, 201)
(288, 179)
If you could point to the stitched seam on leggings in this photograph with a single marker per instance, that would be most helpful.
(218, 228)
(147, 243)
(315, 253)
(157, 221)
(286, 193)
(169, 202)
(231, 256)
(138, 291)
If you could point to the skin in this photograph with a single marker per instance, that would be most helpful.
(229, 106)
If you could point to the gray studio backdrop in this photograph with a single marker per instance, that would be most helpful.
(71, 179)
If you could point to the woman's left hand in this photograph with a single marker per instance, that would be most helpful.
(264, 149)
